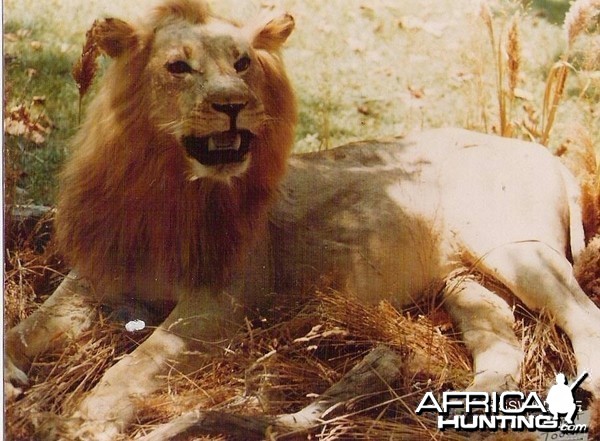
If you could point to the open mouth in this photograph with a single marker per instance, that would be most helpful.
(219, 148)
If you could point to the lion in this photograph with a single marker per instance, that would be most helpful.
(177, 197)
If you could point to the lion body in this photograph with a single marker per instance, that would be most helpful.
(393, 219)
(168, 197)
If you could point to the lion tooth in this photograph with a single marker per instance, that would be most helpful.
(224, 142)
(238, 142)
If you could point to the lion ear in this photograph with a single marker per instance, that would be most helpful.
(114, 36)
(273, 32)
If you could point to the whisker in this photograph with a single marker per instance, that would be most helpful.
(172, 127)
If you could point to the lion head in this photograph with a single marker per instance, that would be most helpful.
(182, 148)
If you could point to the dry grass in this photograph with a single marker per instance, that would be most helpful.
(277, 365)
(580, 18)
(374, 77)
(85, 68)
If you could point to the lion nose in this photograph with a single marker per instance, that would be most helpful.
(230, 109)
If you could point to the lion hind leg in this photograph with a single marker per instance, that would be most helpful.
(486, 323)
(542, 278)
(65, 315)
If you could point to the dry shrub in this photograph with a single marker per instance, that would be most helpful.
(85, 68)
(587, 269)
(32, 268)
(547, 351)
(555, 86)
(579, 154)
(579, 18)
(27, 276)
(28, 121)
(513, 58)
(507, 58)
(582, 16)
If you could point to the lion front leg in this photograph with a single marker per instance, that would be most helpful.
(198, 323)
(486, 323)
(64, 316)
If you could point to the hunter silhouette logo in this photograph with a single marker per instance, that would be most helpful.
(560, 399)
(509, 410)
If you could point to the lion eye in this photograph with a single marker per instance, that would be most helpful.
(242, 64)
(179, 67)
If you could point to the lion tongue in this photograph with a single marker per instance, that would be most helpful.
(225, 141)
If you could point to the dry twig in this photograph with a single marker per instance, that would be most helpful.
(85, 68)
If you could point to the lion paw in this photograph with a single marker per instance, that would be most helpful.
(56, 428)
(492, 381)
(96, 431)
(14, 380)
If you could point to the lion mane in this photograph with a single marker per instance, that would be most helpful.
(127, 208)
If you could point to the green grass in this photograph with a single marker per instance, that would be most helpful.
(553, 10)
(44, 72)
(361, 70)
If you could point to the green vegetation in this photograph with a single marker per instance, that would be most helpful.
(554, 10)
(38, 77)
(361, 70)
